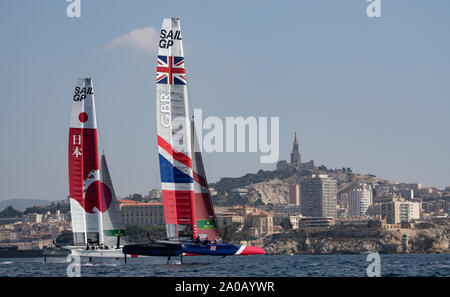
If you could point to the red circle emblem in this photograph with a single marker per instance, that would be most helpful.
(83, 117)
(98, 195)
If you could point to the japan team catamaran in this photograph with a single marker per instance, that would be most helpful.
(98, 230)
(191, 223)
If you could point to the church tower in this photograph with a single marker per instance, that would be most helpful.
(295, 155)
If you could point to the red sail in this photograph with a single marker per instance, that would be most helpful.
(84, 174)
(83, 160)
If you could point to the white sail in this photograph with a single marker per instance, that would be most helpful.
(112, 223)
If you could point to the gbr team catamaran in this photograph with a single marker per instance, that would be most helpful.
(191, 223)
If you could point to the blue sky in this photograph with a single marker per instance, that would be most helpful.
(370, 94)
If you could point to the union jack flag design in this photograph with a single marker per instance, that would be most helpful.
(170, 70)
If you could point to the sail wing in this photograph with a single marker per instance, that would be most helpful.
(93, 204)
(206, 218)
(112, 223)
(83, 163)
(174, 143)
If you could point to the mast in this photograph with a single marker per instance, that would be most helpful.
(174, 137)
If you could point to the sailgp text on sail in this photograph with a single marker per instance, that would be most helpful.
(81, 93)
(167, 38)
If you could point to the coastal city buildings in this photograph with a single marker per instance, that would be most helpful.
(294, 194)
(256, 222)
(33, 231)
(408, 191)
(318, 196)
(260, 224)
(307, 199)
(360, 199)
(229, 218)
(316, 223)
(280, 217)
(142, 213)
(400, 211)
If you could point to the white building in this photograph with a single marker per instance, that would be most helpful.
(33, 218)
(147, 213)
(359, 200)
(400, 211)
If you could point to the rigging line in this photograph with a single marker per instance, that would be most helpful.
(99, 133)
(100, 136)
(190, 106)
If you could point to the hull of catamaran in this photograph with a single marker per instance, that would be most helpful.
(165, 248)
(153, 249)
(82, 252)
(224, 249)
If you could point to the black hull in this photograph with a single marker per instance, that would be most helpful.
(152, 249)
(10, 253)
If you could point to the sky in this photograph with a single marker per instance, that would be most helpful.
(367, 93)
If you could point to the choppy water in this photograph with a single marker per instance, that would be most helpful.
(241, 266)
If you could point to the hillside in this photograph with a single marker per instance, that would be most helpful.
(22, 204)
(272, 187)
(255, 181)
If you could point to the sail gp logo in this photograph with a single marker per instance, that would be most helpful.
(167, 38)
(81, 93)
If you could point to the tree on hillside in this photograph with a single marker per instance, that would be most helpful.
(322, 168)
(65, 237)
(230, 232)
(286, 224)
(52, 208)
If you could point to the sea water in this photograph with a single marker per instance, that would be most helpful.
(394, 265)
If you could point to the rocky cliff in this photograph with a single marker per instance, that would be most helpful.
(274, 191)
(429, 240)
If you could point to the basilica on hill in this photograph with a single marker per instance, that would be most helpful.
(296, 159)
